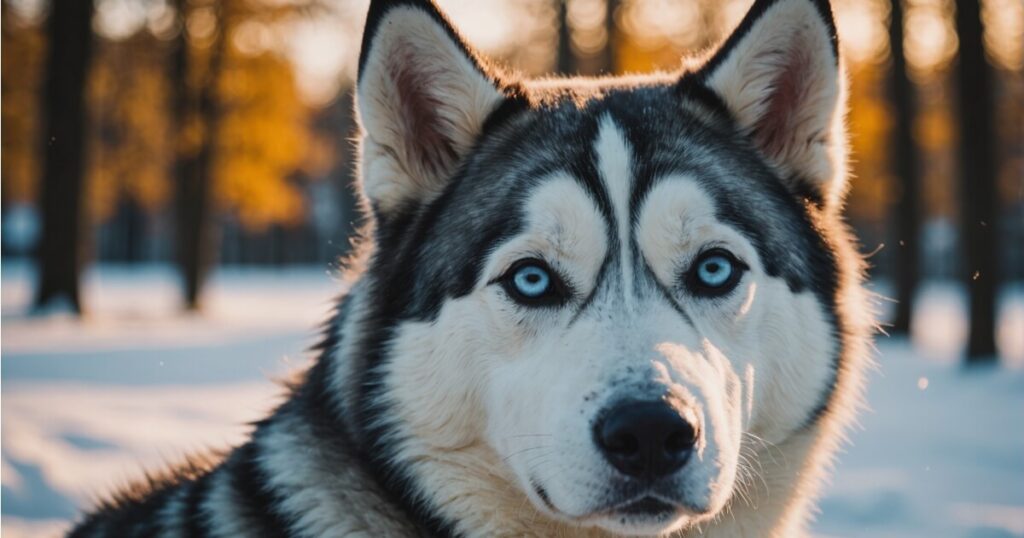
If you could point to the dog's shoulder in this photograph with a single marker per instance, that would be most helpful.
(140, 507)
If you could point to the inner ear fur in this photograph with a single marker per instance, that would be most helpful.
(422, 99)
(780, 76)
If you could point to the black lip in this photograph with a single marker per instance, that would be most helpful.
(647, 506)
(543, 494)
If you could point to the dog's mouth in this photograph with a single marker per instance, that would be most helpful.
(647, 507)
(645, 515)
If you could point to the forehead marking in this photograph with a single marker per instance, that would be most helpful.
(613, 162)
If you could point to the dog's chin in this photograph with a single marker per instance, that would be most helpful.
(644, 516)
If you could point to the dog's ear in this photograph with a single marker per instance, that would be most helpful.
(780, 76)
(422, 98)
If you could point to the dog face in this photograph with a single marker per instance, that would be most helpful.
(596, 294)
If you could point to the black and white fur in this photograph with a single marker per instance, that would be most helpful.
(440, 405)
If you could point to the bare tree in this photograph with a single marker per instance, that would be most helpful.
(904, 161)
(977, 161)
(565, 61)
(608, 61)
(61, 202)
(193, 169)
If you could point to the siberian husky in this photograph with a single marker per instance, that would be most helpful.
(582, 307)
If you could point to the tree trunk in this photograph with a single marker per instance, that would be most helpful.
(183, 110)
(609, 63)
(196, 241)
(566, 61)
(979, 218)
(904, 161)
(61, 200)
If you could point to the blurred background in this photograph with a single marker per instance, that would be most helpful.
(176, 198)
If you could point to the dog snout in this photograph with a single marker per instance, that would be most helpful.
(647, 440)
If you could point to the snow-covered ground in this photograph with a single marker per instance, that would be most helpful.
(87, 404)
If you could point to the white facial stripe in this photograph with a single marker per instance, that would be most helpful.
(613, 163)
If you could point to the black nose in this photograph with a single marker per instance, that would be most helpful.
(645, 439)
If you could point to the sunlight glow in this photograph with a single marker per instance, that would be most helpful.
(862, 29)
(930, 38)
(324, 48)
(1004, 32)
(679, 22)
(118, 19)
(749, 301)
(587, 21)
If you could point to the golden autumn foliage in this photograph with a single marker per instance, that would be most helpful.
(679, 29)
(262, 140)
(128, 143)
(869, 125)
(23, 50)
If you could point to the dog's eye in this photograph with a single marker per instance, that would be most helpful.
(715, 272)
(531, 282)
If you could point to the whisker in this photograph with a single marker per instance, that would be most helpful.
(518, 452)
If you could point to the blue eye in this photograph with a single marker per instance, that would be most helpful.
(531, 281)
(715, 272)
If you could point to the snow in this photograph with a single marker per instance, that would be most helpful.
(87, 404)
(941, 453)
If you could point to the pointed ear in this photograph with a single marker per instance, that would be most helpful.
(422, 99)
(779, 75)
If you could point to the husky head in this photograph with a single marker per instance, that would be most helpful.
(586, 298)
